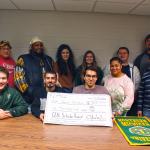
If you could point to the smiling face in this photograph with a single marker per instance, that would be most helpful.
(65, 54)
(50, 80)
(3, 80)
(89, 59)
(90, 79)
(115, 68)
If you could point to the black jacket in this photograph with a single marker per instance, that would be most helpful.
(41, 93)
(29, 72)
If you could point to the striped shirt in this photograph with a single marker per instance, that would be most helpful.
(143, 101)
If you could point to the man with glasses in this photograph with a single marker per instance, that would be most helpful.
(7, 61)
(30, 69)
(90, 87)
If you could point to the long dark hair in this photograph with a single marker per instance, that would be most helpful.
(62, 65)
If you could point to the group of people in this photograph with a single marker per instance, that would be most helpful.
(24, 84)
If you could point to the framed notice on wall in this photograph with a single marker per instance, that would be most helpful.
(78, 109)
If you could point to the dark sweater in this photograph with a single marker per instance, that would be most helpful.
(144, 92)
(41, 93)
(29, 73)
(142, 62)
(11, 100)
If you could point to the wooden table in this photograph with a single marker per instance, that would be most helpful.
(27, 132)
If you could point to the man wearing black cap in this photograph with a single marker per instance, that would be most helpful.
(30, 69)
(143, 60)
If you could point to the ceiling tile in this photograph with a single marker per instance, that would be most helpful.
(138, 7)
(34, 4)
(146, 2)
(120, 1)
(6, 4)
(115, 6)
(143, 9)
(74, 5)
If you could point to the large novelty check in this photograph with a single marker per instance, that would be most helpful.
(78, 109)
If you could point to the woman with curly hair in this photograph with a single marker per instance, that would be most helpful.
(65, 66)
(88, 60)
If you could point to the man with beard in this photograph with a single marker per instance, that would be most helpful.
(40, 94)
(90, 87)
(30, 69)
(143, 60)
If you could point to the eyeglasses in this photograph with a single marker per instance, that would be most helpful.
(91, 76)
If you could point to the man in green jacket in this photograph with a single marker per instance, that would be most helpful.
(11, 102)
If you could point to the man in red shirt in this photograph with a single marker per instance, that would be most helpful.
(7, 61)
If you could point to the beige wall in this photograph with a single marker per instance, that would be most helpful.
(102, 33)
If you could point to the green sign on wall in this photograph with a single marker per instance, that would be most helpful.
(136, 130)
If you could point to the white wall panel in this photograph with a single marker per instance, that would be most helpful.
(102, 33)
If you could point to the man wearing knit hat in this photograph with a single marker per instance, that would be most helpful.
(31, 67)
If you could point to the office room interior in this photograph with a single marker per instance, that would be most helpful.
(98, 25)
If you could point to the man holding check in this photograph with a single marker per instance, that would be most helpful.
(90, 87)
(40, 94)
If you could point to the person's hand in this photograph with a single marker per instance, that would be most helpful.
(42, 117)
(114, 114)
(113, 117)
(57, 82)
(139, 113)
(4, 114)
(117, 113)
